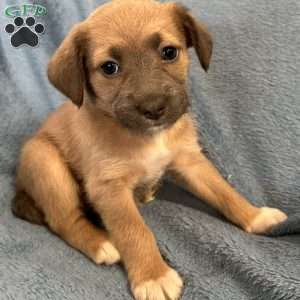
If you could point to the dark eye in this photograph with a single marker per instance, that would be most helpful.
(169, 53)
(110, 68)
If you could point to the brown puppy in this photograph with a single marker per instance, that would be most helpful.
(125, 70)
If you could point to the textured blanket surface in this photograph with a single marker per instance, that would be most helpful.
(248, 109)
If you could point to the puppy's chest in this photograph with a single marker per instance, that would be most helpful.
(153, 160)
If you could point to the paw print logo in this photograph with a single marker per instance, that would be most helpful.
(24, 33)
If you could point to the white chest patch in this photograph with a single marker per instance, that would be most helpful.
(155, 158)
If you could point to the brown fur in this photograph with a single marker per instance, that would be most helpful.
(25, 208)
(104, 148)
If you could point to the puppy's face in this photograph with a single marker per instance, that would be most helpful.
(129, 60)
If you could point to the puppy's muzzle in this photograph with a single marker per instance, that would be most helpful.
(153, 108)
(143, 112)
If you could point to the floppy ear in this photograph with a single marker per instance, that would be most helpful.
(66, 68)
(196, 35)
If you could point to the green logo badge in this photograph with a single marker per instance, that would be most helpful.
(25, 10)
(24, 28)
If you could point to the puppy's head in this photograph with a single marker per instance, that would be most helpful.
(129, 60)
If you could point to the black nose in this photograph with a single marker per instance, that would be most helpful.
(152, 113)
(152, 110)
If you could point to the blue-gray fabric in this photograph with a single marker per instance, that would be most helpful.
(248, 110)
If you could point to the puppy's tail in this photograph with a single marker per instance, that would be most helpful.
(24, 207)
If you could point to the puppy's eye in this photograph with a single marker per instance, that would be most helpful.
(110, 68)
(169, 53)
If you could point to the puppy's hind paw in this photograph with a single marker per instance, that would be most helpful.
(107, 254)
(265, 220)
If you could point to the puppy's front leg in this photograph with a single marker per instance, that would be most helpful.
(203, 179)
(150, 277)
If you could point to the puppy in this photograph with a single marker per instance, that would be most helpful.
(125, 70)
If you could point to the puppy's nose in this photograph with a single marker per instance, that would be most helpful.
(152, 111)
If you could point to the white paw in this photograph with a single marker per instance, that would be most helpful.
(167, 287)
(265, 220)
(107, 254)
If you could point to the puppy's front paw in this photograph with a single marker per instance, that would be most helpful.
(167, 287)
(265, 220)
(107, 254)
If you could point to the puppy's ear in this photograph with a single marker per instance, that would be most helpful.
(66, 68)
(196, 35)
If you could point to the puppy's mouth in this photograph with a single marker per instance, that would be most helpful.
(147, 122)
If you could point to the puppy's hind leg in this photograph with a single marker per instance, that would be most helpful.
(24, 207)
(48, 193)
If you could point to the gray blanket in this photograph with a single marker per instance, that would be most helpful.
(248, 110)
